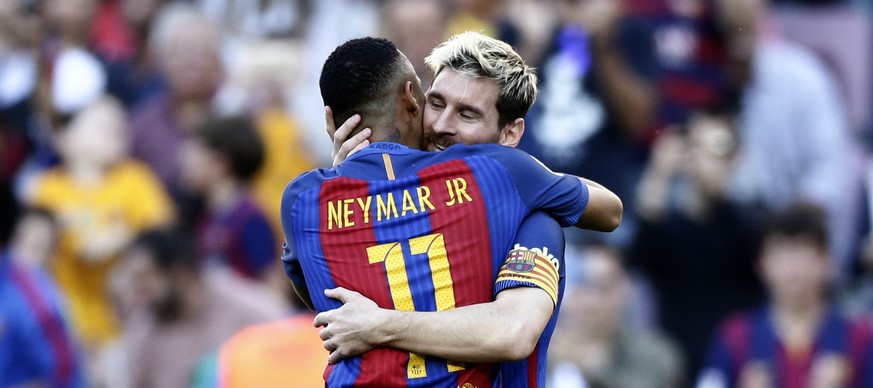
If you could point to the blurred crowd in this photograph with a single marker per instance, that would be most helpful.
(145, 144)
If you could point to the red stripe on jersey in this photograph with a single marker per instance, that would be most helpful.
(465, 229)
(532, 366)
(477, 377)
(468, 246)
(51, 325)
(345, 250)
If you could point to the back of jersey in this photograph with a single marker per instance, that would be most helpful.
(411, 231)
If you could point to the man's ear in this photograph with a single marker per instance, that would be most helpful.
(510, 134)
(410, 103)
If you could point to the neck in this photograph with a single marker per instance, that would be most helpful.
(223, 194)
(804, 313)
(190, 112)
(390, 135)
(797, 325)
(86, 174)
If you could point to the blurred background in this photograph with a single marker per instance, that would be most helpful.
(144, 145)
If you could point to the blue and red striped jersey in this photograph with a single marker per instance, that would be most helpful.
(418, 231)
(536, 260)
(36, 345)
(750, 340)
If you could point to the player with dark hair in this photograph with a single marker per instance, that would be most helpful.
(435, 226)
(357, 80)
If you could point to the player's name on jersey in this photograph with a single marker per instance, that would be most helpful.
(342, 213)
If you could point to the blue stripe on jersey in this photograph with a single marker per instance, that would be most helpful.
(537, 231)
(398, 229)
(417, 268)
(345, 373)
(494, 183)
(305, 212)
(434, 365)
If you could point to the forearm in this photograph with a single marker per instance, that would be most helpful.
(504, 330)
(604, 210)
(631, 99)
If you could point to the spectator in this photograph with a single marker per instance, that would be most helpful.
(416, 27)
(695, 245)
(283, 353)
(796, 141)
(798, 339)
(185, 47)
(101, 198)
(691, 54)
(328, 26)
(118, 36)
(71, 76)
(596, 101)
(263, 77)
(36, 345)
(66, 76)
(19, 40)
(218, 162)
(484, 16)
(180, 313)
(593, 343)
(20, 36)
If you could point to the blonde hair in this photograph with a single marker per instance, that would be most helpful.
(476, 55)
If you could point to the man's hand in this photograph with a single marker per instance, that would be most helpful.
(343, 147)
(351, 329)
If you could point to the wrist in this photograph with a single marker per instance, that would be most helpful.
(387, 326)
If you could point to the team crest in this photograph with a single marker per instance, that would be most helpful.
(521, 260)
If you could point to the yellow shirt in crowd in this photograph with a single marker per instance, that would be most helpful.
(96, 222)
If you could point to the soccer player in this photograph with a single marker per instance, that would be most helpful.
(487, 106)
(329, 214)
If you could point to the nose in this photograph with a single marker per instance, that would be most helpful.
(443, 124)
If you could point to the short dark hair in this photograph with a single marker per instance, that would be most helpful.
(800, 220)
(358, 73)
(239, 141)
(168, 248)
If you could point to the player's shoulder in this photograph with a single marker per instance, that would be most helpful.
(306, 181)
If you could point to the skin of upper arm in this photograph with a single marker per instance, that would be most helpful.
(526, 312)
(604, 210)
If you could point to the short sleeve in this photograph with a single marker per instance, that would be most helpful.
(290, 262)
(564, 197)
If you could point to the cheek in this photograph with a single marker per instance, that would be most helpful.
(429, 118)
(477, 134)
